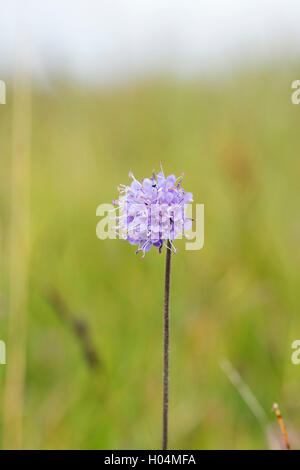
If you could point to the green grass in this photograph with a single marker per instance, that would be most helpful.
(237, 141)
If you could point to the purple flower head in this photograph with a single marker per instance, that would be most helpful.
(153, 211)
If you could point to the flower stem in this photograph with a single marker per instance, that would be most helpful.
(166, 348)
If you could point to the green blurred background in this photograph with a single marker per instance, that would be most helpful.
(82, 318)
(238, 145)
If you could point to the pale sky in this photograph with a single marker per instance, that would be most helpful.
(107, 40)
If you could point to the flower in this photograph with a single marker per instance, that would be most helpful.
(152, 211)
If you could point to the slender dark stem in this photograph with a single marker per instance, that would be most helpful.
(166, 348)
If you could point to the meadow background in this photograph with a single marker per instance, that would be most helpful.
(93, 310)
